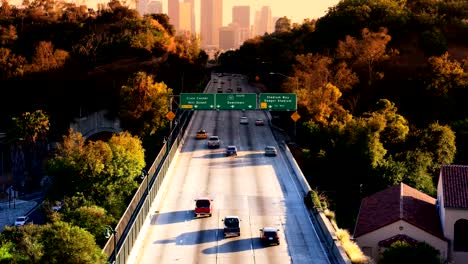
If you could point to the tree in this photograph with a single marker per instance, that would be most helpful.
(366, 52)
(439, 140)
(46, 58)
(403, 253)
(65, 243)
(144, 104)
(32, 128)
(92, 219)
(445, 75)
(104, 172)
(283, 24)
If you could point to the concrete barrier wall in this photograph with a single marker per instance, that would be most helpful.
(325, 230)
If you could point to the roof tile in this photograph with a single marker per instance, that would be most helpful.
(455, 185)
(400, 202)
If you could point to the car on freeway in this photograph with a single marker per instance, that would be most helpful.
(269, 235)
(213, 142)
(239, 89)
(220, 90)
(259, 122)
(231, 226)
(229, 90)
(21, 220)
(215, 80)
(270, 151)
(231, 151)
(244, 120)
(203, 206)
(201, 134)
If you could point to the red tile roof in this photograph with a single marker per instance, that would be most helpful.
(455, 185)
(400, 202)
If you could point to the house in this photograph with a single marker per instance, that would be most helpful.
(452, 204)
(399, 213)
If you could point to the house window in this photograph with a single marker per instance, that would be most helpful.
(460, 242)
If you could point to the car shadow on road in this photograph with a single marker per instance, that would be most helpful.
(171, 217)
(212, 156)
(234, 246)
(194, 238)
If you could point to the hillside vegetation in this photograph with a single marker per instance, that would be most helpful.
(382, 92)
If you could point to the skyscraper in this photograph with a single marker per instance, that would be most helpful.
(192, 15)
(185, 17)
(241, 16)
(173, 13)
(263, 21)
(211, 19)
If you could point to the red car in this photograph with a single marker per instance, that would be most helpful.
(203, 206)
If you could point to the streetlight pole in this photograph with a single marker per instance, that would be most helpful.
(108, 233)
(295, 78)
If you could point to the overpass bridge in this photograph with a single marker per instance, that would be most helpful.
(159, 225)
(95, 123)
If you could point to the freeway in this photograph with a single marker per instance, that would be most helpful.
(258, 189)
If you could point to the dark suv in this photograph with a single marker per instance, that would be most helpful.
(269, 235)
(231, 226)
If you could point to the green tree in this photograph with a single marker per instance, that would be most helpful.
(92, 219)
(65, 243)
(403, 253)
(144, 104)
(439, 140)
(105, 172)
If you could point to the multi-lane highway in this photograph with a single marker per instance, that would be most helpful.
(258, 189)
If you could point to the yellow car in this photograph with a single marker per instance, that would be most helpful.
(201, 134)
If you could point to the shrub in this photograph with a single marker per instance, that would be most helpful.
(352, 249)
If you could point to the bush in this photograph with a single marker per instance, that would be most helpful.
(401, 252)
(352, 249)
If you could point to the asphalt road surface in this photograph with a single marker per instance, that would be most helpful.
(258, 189)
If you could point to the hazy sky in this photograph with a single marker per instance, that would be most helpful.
(296, 10)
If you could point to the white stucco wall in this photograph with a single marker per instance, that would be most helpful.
(440, 200)
(451, 216)
(400, 227)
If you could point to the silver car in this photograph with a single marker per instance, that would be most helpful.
(213, 142)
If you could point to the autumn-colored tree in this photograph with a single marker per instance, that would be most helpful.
(322, 104)
(445, 75)
(11, 65)
(144, 104)
(367, 52)
(46, 58)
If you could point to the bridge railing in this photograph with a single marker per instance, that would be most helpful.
(130, 223)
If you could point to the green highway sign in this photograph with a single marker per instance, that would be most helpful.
(278, 101)
(236, 101)
(197, 101)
